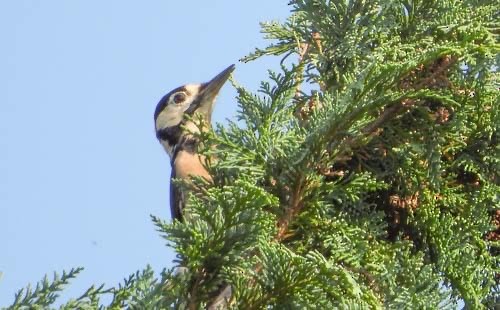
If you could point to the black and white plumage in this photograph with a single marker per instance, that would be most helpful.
(174, 131)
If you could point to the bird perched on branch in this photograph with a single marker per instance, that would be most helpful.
(174, 130)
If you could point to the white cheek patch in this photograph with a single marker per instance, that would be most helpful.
(169, 117)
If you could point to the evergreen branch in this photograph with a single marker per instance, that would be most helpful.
(45, 292)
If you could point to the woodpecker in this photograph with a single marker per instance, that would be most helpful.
(174, 130)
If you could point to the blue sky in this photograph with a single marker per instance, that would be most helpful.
(80, 167)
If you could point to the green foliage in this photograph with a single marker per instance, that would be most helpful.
(388, 166)
(46, 293)
(141, 290)
(364, 174)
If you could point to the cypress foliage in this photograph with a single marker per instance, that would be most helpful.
(363, 174)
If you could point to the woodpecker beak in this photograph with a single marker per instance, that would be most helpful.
(209, 91)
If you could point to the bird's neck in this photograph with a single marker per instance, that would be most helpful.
(180, 136)
(189, 164)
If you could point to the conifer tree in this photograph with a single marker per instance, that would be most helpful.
(363, 174)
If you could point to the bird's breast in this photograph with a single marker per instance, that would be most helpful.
(188, 164)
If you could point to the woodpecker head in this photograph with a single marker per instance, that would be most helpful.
(171, 124)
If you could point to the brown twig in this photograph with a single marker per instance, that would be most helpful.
(296, 205)
(193, 302)
(304, 108)
(317, 41)
(303, 49)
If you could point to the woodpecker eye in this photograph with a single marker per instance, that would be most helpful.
(179, 97)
